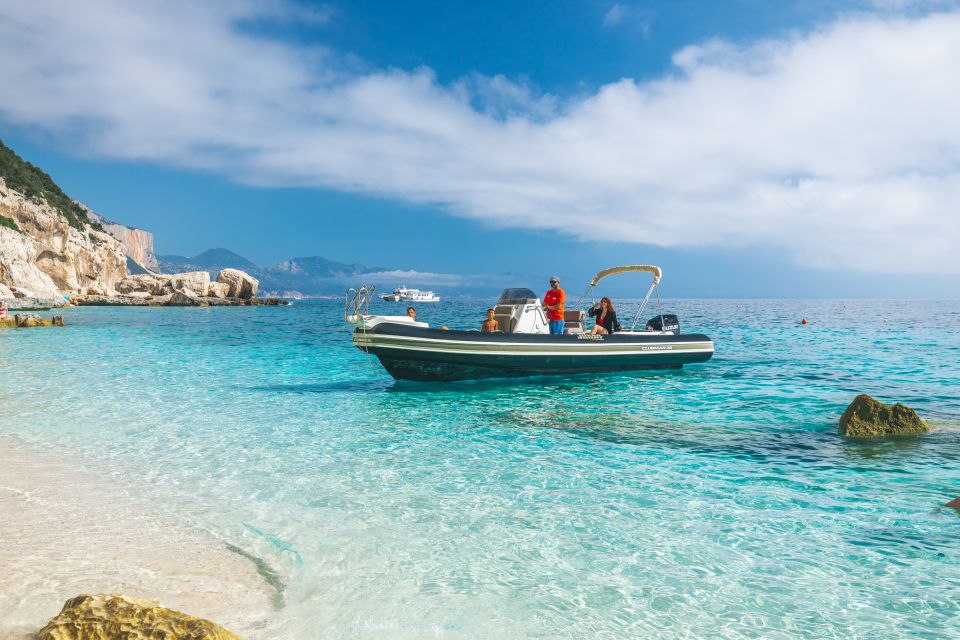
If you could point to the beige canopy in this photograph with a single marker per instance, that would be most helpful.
(627, 269)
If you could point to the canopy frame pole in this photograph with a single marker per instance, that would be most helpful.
(583, 296)
(643, 304)
(660, 306)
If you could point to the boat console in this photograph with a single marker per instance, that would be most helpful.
(520, 311)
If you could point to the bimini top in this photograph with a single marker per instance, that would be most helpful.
(657, 273)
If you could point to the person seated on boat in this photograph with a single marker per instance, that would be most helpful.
(412, 313)
(553, 304)
(605, 315)
(490, 325)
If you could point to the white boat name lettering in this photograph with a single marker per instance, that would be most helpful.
(588, 336)
(659, 347)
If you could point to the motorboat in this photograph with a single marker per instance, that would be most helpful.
(412, 350)
(402, 294)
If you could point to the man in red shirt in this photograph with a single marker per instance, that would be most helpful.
(553, 303)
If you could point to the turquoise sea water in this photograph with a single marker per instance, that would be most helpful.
(717, 501)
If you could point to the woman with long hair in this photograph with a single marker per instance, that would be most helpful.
(605, 315)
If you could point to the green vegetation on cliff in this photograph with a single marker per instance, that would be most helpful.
(7, 222)
(32, 182)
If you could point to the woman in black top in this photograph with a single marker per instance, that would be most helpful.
(605, 315)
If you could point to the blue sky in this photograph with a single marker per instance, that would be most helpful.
(753, 149)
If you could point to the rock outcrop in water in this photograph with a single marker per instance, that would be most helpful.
(116, 617)
(239, 283)
(866, 417)
(184, 290)
(28, 320)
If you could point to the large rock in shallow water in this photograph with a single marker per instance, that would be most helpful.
(29, 320)
(240, 283)
(866, 417)
(113, 617)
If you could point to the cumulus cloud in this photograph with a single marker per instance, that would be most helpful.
(839, 147)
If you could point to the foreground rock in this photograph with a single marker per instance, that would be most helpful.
(867, 418)
(114, 617)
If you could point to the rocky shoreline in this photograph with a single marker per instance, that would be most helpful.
(195, 289)
(174, 301)
(232, 287)
(55, 252)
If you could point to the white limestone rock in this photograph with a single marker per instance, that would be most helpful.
(142, 283)
(19, 272)
(71, 260)
(197, 282)
(137, 243)
(218, 290)
(241, 284)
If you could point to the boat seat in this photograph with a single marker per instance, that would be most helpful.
(573, 320)
(504, 317)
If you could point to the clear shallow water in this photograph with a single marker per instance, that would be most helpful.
(713, 502)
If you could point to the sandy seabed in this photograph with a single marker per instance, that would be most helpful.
(64, 532)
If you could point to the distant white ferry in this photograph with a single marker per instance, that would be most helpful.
(402, 294)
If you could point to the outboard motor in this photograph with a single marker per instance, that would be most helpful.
(670, 323)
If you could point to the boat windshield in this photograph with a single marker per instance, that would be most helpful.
(517, 296)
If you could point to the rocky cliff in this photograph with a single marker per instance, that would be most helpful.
(137, 243)
(47, 255)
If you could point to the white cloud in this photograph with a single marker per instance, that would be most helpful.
(614, 15)
(840, 147)
(623, 14)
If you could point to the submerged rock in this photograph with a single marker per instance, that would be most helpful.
(866, 417)
(115, 617)
(241, 284)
